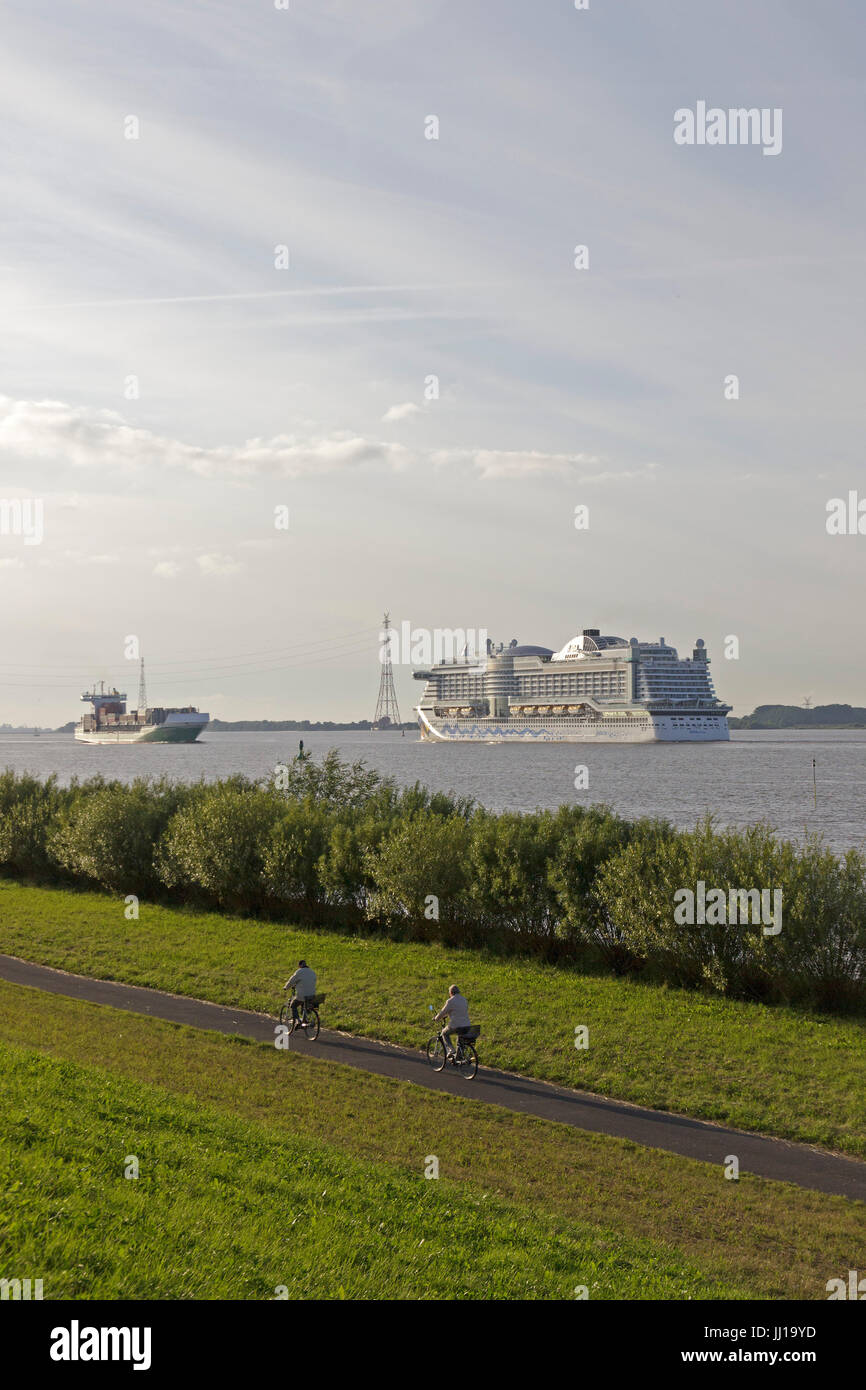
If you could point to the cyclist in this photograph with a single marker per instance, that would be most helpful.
(456, 1010)
(304, 982)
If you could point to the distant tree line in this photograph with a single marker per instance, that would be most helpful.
(334, 844)
(802, 717)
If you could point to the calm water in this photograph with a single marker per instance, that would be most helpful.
(756, 776)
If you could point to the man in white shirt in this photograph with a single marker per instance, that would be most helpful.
(456, 1010)
(304, 982)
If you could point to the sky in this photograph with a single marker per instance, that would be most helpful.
(317, 264)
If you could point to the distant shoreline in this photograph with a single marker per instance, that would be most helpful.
(741, 725)
(798, 717)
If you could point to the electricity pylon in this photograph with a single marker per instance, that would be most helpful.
(387, 714)
(142, 688)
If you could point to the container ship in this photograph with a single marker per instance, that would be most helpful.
(110, 722)
(594, 688)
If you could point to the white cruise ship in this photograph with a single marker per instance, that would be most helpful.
(596, 687)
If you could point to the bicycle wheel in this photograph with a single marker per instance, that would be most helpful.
(436, 1053)
(467, 1064)
(286, 1015)
(312, 1028)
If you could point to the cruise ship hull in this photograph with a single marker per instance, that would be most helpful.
(633, 727)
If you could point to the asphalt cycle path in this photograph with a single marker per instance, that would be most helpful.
(710, 1143)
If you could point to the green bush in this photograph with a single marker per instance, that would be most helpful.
(332, 782)
(637, 890)
(215, 845)
(426, 858)
(345, 869)
(820, 953)
(817, 955)
(298, 841)
(511, 896)
(109, 835)
(28, 810)
(585, 838)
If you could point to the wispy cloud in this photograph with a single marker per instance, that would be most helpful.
(648, 474)
(212, 565)
(86, 557)
(167, 569)
(91, 438)
(496, 464)
(401, 412)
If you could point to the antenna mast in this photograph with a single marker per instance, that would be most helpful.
(142, 688)
(387, 714)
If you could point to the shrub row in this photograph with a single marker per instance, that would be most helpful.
(332, 843)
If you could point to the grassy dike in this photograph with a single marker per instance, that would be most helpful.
(773, 1070)
(261, 1168)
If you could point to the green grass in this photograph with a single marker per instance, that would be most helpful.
(227, 1208)
(626, 1221)
(774, 1070)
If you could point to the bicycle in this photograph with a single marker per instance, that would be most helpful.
(464, 1058)
(308, 1015)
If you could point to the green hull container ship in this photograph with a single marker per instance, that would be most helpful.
(110, 722)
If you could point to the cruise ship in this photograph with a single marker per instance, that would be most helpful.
(596, 687)
(110, 723)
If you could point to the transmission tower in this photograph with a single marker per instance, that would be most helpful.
(142, 688)
(387, 714)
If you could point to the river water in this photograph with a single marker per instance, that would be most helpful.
(757, 776)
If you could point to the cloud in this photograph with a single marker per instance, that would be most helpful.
(89, 438)
(626, 475)
(401, 412)
(13, 563)
(167, 569)
(500, 463)
(218, 564)
(86, 557)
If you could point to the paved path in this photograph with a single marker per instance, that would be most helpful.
(770, 1158)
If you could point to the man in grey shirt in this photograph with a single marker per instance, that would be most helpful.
(456, 1010)
(304, 982)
